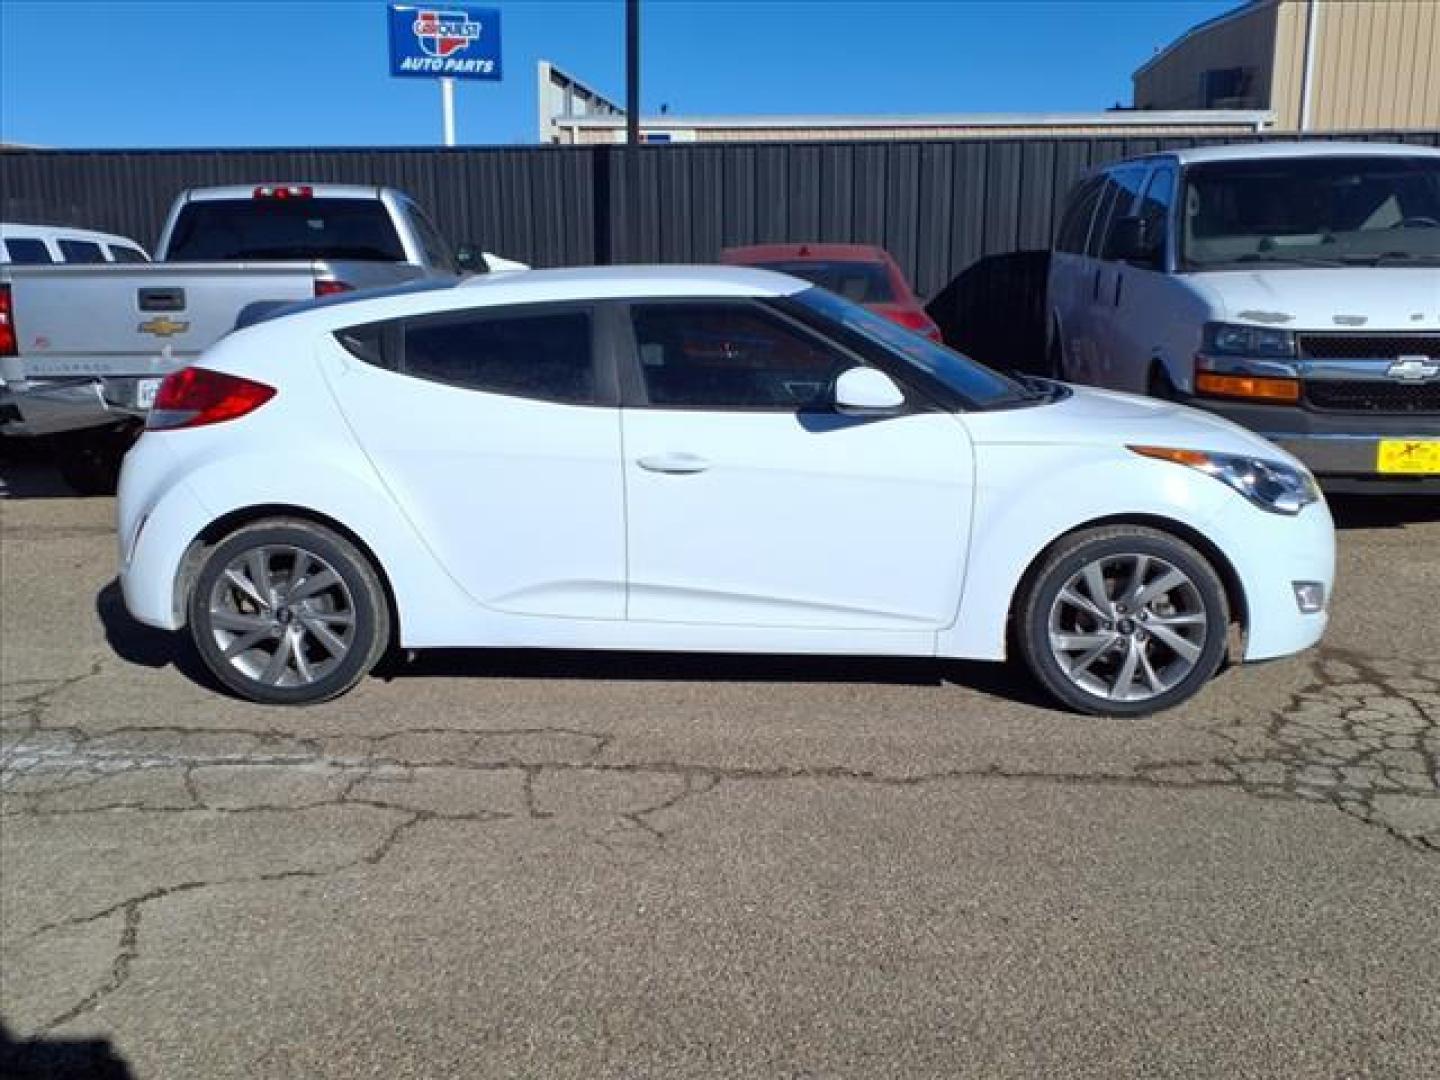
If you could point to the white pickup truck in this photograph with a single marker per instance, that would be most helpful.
(83, 347)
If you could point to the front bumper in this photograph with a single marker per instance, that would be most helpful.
(1341, 449)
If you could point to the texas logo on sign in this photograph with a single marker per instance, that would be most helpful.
(446, 42)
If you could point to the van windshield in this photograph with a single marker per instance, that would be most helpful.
(1323, 211)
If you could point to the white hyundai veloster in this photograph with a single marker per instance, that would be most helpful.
(696, 459)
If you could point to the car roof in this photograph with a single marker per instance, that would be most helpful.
(798, 252)
(542, 286)
(1270, 151)
(20, 231)
(317, 191)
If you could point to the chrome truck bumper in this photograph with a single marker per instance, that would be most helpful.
(1341, 449)
(51, 406)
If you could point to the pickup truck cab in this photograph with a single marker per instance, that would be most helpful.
(1293, 288)
(84, 347)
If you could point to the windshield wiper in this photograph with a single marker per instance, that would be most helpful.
(1297, 260)
(1403, 258)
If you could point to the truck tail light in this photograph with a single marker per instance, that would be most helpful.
(9, 341)
(330, 288)
(1254, 387)
(196, 396)
(283, 191)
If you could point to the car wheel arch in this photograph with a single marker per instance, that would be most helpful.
(1229, 577)
(223, 526)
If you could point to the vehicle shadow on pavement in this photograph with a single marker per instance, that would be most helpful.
(1002, 680)
(136, 643)
(146, 646)
(26, 478)
(1383, 511)
(60, 1059)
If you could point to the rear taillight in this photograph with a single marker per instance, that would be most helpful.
(917, 321)
(330, 288)
(9, 344)
(196, 396)
(283, 191)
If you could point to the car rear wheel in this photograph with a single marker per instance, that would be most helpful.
(1123, 621)
(288, 612)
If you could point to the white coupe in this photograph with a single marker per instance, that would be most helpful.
(696, 459)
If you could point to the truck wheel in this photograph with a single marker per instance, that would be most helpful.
(1123, 621)
(89, 461)
(287, 612)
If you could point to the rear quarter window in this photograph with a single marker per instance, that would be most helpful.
(26, 252)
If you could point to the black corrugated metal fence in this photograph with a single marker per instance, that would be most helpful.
(952, 212)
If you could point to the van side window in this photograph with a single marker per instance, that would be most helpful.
(1075, 225)
(1155, 205)
(24, 251)
(1126, 183)
(81, 251)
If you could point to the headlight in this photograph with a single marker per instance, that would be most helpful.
(1230, 339)
(1270, 485)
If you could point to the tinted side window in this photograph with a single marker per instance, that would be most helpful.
(1155, 205)
(81, 251)
(432, 244)
(1125, 184)
(26, 252)
(541, 355)
(1075, 225)
(731, 356)
(122, 254)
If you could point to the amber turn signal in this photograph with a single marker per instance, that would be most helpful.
(1247, 386)
(1194, 458)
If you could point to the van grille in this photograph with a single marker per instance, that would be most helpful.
(1354, 395)
(1367, 346)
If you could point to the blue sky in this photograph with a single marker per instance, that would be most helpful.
(218, 73)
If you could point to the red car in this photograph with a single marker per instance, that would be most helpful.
(859, 272)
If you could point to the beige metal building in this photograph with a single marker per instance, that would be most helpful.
(1321, 65)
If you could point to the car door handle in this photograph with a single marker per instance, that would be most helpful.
(675, 462)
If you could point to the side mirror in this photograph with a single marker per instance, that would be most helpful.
(1131, 241)
(866, 391)
(471, 260)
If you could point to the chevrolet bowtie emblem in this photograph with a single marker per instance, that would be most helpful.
(163, 326)
(1413, 368)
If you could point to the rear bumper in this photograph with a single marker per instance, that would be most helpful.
(1341, 449)
(59, 405)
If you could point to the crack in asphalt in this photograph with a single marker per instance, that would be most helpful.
(1362, 737)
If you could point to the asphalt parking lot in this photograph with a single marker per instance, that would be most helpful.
(641, 866)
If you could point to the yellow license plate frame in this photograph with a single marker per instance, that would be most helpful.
(1408, 457)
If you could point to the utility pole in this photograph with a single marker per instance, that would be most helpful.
(632, 72)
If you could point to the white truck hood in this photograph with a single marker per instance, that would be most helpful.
(1380, 299)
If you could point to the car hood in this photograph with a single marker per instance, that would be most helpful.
(1378, 298)
(1091, 417)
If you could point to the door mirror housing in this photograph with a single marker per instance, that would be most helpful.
(471, 260)
(1133, 241)
(867, 391)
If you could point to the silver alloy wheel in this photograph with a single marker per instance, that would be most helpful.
(281, 615)
(1128, 627)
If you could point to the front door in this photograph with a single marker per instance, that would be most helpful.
(751, 503)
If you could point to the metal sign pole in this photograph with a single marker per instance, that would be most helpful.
(447, 109)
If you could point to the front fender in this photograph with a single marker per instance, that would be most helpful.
(1064, 489)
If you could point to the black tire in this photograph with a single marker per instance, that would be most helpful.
(1111, 547)
(357, 593)
(1055, 360)
(89, 461)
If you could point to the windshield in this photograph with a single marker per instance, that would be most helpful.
(971, 384)
(1330, 211)
(234, 230)
(862, 282)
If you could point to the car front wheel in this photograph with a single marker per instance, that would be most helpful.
(1123, 621)
(288, 612)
